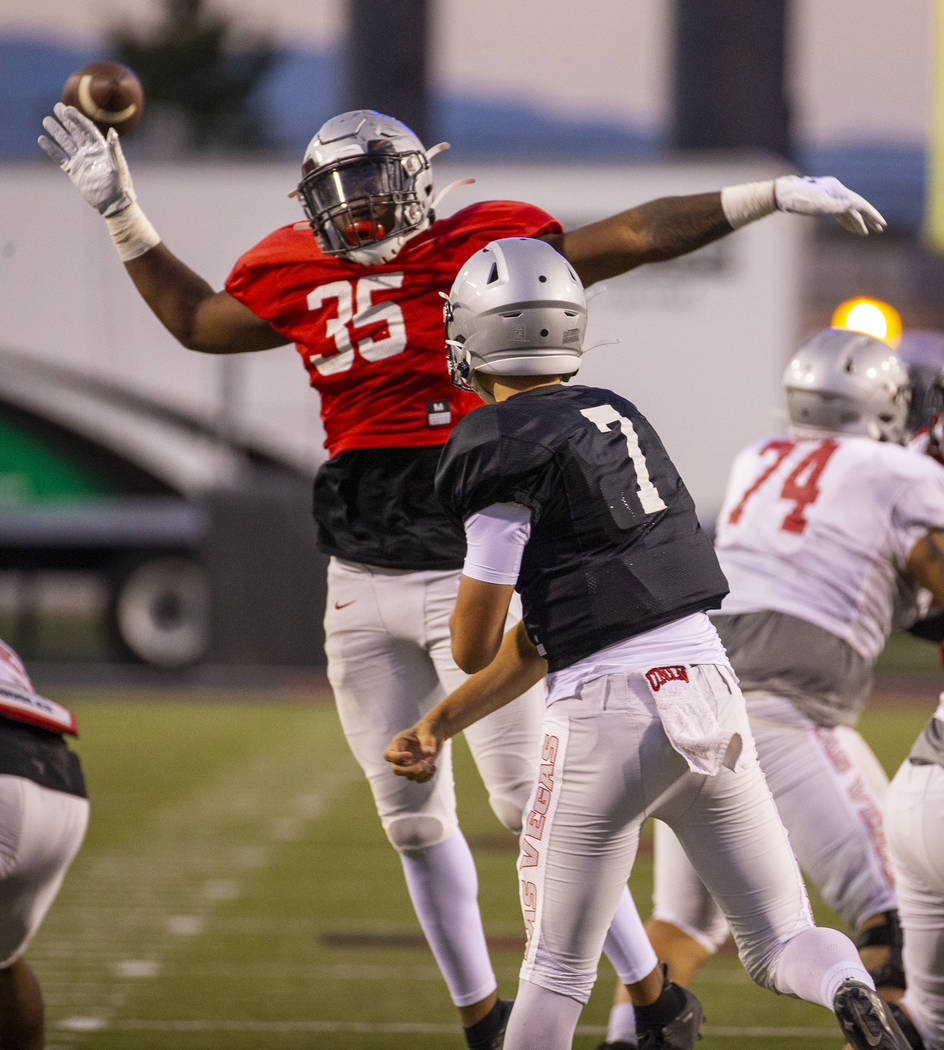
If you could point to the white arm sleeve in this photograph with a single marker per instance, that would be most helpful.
(495, 542)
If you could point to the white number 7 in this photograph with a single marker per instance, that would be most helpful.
(602, 416)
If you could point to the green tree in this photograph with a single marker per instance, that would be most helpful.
(200, 76)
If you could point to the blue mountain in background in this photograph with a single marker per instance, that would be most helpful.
(303, 89)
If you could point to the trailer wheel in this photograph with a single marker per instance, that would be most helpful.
(160, 611)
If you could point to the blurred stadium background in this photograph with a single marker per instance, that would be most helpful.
(156, 561)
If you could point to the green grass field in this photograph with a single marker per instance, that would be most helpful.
(235, 891)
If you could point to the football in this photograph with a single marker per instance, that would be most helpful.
(108, 93)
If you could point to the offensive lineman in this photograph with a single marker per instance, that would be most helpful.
(43, 816)
(360, 299)
(567, 495)
(826, 536)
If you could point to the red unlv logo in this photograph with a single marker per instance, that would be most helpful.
(658, 676)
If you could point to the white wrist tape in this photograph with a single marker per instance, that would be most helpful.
(132, 232)
(748, 201)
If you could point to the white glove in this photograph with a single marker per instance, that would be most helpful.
(804, 195)
(93, 162)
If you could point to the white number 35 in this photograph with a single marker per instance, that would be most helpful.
(355, 309)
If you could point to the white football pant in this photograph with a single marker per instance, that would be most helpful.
(914, 818)
(40, 833)
(829, 788)
(607, 765)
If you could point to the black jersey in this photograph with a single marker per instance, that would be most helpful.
(615, 547)
(376, 506)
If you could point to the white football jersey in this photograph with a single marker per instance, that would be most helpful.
(821, 528)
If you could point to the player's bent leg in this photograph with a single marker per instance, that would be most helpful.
(43, 830)
(732, 832)
(34, 858)
(686, 924)
(383, 681)
(913, 809)
(832, 773)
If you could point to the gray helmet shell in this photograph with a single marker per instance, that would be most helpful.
(847, 382)
(366, 185)
(517, 307)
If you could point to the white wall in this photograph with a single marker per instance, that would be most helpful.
(704, 339)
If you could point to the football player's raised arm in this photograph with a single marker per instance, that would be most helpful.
(670, 226)
(652, 232)
(516, 667)
(196, 315)
(926, 563)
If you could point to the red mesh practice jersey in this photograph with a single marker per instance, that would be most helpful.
(371, 337)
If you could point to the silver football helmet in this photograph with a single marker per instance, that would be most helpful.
(515, 308)
(847, 382)
(366, 185)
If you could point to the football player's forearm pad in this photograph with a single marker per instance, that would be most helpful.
(132, 232)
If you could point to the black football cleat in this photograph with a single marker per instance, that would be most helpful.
(681, 1032)
(497, 1038)
(865, 1018)
(908, 1029)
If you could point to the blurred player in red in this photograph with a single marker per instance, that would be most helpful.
(361, 301)
(43, 816)
(828, 536)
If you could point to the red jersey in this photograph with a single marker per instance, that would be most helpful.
(371, 337)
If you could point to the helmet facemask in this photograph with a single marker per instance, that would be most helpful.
(366, 186)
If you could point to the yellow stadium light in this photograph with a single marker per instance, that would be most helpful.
(871, 316)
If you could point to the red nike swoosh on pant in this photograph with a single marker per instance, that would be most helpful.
(344, 605)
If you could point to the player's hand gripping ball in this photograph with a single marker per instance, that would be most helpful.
(108, 93)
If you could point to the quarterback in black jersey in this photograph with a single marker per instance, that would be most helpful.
(609, 556)
(567, 495)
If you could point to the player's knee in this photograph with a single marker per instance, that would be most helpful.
(415, 832)
(562, 979)
(509, 809)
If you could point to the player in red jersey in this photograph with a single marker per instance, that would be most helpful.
(361, 300)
